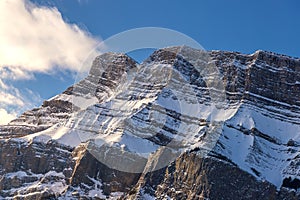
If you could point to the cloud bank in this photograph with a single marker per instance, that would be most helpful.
(35, 39)
(13, 100)
(6, 117)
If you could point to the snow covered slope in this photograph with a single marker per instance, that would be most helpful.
(241, 110)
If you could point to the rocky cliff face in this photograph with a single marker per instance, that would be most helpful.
(184, 124)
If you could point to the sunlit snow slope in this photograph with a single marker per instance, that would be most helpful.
(240, 109)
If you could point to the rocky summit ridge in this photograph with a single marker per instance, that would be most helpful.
(184, 124)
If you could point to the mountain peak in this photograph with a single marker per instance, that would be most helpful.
(141, 130)
(105, 61)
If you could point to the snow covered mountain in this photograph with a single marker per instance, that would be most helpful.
(184, 124)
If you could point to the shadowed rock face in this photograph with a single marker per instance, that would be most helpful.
(256, 155)
(266, 74)
(106, 74)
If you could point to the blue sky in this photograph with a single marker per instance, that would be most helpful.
(234, 25)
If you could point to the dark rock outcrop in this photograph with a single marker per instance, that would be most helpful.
(123, 98)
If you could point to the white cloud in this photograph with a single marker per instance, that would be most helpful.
(37, 39)
(9, 99)
(13, 101)
(9, 95)
(3, 85)
(6, 117)
(15, 73)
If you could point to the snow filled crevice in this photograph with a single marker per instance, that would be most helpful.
(268, 155)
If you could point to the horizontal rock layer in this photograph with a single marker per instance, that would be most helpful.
(184, 124)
